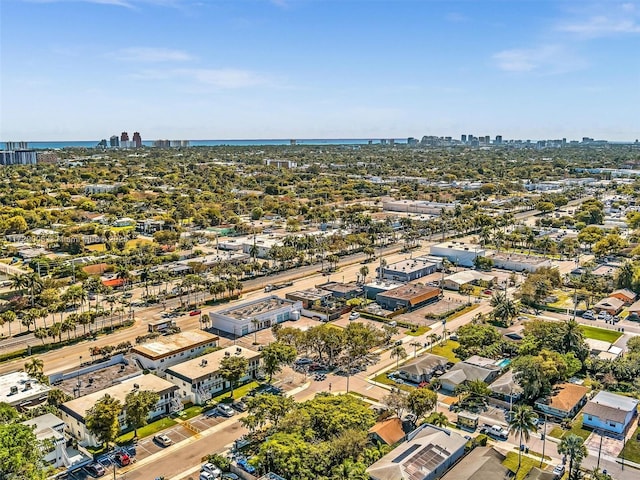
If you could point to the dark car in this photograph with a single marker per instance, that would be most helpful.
(95, 469)
(122, 459)
(239, 405)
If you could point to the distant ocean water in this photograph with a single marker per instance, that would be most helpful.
(217, 143)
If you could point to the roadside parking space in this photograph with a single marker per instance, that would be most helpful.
(147, 446)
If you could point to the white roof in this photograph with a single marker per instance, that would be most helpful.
(598, 345)
(23, 394)
(613, 400)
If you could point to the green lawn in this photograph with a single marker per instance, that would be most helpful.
(462, 312)
(632, 448)
(382, 378)
(511, 462)
(147, 430)
(446, 350)
(600, 333)
(237, 393)
(418, 332)
(190, 412)
(576, 429)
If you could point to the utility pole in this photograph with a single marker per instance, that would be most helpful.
(599, 450)
(544, 438)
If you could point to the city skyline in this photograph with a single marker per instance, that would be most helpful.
(258, 69)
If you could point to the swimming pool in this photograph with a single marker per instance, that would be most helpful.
(503, 363)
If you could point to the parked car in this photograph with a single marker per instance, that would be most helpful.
(244, 464)
(122, 459)
(354, 315)
(162, 439)
(193, 313)
(230, 476)
(206, 476)
(303, 361)
(589, 315)
(95, 469)
(239, 405)
(225, 410)
(211, 469)
(558, 471)
(488, 292)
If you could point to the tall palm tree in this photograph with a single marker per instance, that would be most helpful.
(364, 271)
(573, 446)
(9, 317)
(504, 308)
(34, 367)
(398, 352)
(522, 423)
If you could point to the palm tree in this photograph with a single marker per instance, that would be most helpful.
(364, 271)
(398, 352)
(522, 423)
(573, 446)
(34, 367)
(9, 317)
(41, 333)
(504, 308)
(69, 324)
(433, 338)
(28, 318)
(438, 419)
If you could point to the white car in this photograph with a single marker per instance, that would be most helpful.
(225, 410)
(558, 471)
(212, 470)
(354, 315)
(207, 476)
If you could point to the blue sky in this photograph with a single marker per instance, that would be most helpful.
(236, 69)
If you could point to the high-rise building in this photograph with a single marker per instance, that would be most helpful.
(137, 140)
(18, 153)
(114, 141)
(498, 140)
(470, 137)
(463, 139)
(124, 137)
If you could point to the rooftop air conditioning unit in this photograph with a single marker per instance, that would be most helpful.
(238, 350)
(14, 390)
(27, 385)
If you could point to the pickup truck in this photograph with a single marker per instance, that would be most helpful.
(495, 431)
(278, 286)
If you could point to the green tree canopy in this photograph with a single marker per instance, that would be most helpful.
(232, 369)
(138, 404)
(102, 419)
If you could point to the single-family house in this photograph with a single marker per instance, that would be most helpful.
(472, 369)
(624, 294)
(610, 413)
(423, 368)
(387, 431)
(611, 305)
(506, 388)
(565, 400)
(427, 454)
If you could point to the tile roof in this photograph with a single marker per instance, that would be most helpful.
(566, 396)
(390, 430)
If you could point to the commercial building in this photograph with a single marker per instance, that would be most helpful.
(518, 262)
(18, 157)
(564, 401)
(342, 290)
(372, 289)
(624, 294)
(199, 379)
(164, 352)
(73, 412)
(416, 206)
(427, 455)
(309, 297)
(610, 413)
(101, 188)
(20, 390)
(468, 277)
(255, 315)
(137, 140)
(423, 368)
(408, 270)
(408, 296)
(458, 253)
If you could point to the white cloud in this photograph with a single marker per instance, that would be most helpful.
(152, 55)
(220, 78)
(545, 60)
(131, 4)
(602, 26)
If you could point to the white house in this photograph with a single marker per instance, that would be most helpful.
(20, 390)
(610, 413)
(198, 380)
(74, 411)
(165, 351)
(255, 315)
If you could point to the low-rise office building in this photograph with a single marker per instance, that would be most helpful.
(458, 253)
(518, 262)
(408, 270)
(21, 391)
(309, 297)
(371, 290)
(199, 379)
(342, 290)
(166, 351)
(468, 277)
(255, 315)
(408, 296)
(73, 412)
